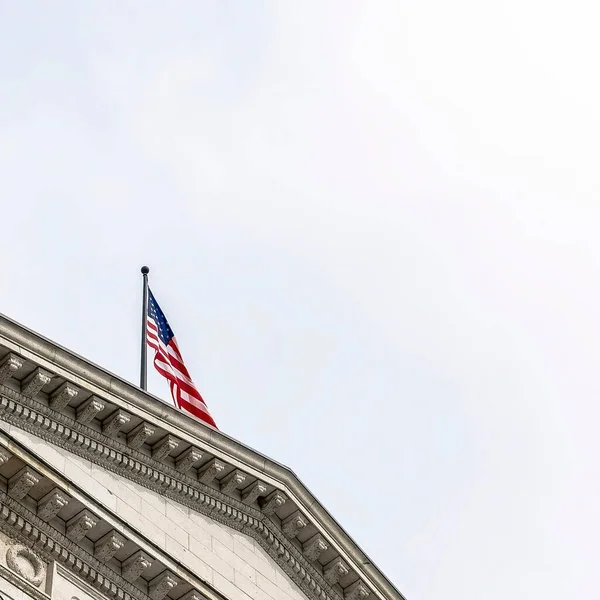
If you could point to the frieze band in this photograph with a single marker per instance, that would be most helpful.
(59, 429)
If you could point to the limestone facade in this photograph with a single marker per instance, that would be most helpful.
(107, 493)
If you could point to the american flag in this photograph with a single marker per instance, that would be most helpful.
(169, 363)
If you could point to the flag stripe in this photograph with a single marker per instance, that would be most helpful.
(169, 350)
(169, 363)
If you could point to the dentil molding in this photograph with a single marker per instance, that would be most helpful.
(78, 438)
(66, 400)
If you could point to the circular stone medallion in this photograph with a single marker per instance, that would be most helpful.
(24, 562)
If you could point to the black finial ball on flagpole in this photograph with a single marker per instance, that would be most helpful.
(145, 270)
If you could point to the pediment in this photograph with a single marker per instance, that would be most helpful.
(45, 520)
(79, 408)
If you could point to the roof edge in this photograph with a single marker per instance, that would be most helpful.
(22, 338)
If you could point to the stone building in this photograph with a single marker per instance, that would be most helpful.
(107, 493)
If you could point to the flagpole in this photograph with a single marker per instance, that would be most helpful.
(144, 348)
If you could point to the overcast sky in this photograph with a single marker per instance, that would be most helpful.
(373, 227)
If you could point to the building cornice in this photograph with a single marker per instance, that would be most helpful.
(55, 529)
(208, 471)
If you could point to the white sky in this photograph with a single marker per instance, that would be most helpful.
(373, 228)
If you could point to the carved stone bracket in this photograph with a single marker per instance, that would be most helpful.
(232, 481)
(89, 409)
(80, 524)
(193, 595)
(187, 458)
(211, 470)
(357, 591)
(20, 483)
(139, 435)
(161, 585)
(113, 424)
(253, 491)
(108, 545)
(33, 383)
(51, 504)
(135, 565)
(164, 447)
(314, 547)
(293, 524)
(63, 395)
(9, 366)
(5, 455)
(335, 570)
(273, 502)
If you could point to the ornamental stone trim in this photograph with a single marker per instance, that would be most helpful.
(89, 409)
(21, 524)
(113, 424)
(51, 504)
(294, 524)
(164, 447)
(314, 547)
(193, 595)
(161, 585)
(273, 502)
(253, 491)
(187, 459)
(62, 431)
(5, 456)
(357, 591)
(20, 483)
(63, 395)
(80, 524)
(139, 435)
(21, 584)
(33, 383)
(51, 545)
(232, 481)
(335, 570)
(211, 470)
(9, 366)
(135, 565)
(16, 554)
(108, 545)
